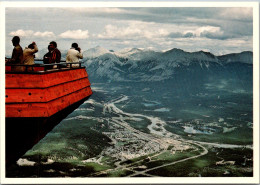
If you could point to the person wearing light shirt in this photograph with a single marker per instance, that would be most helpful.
(73, 55)
(28, 54)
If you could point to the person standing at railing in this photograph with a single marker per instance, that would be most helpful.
(28, 54)
(55, 53)
(73, 55)
(17, 54)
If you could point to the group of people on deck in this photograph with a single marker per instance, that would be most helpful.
(26, 56)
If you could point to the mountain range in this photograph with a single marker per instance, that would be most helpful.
(135, 64)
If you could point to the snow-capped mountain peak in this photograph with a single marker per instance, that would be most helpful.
(95, 52)
(127, 52)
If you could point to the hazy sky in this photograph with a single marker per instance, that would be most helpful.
(218, 30)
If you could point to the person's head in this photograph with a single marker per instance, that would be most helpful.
(49, 48)
(74, 45)
(53, 45)
(16, 40)
(31, 46)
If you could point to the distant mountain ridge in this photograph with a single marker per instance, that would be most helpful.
(135, 64)
(137, 54)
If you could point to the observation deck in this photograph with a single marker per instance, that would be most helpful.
(37, 98)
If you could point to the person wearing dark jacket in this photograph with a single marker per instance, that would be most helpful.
(17, 54)
(53, 56)
(55, 53)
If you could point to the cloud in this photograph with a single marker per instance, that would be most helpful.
(241, 14)
(116, 32)
(44, 34)
(204, 31)
(207, 29)
(22, 33)
(31, 33)
(200, 14)
(75, 34)
(209, 32)
(188, 35)
(94, 10)
(133, 30)
(175, 35)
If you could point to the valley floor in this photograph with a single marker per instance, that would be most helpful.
(102, 138)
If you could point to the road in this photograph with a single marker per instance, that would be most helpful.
(205, 151)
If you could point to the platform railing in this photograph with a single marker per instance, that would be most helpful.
(42, 67)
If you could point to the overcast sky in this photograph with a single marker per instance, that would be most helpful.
(217, 30)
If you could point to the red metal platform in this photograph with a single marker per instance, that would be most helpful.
(44, 94)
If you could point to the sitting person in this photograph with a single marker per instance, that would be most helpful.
(73, 55)
(28, 54)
